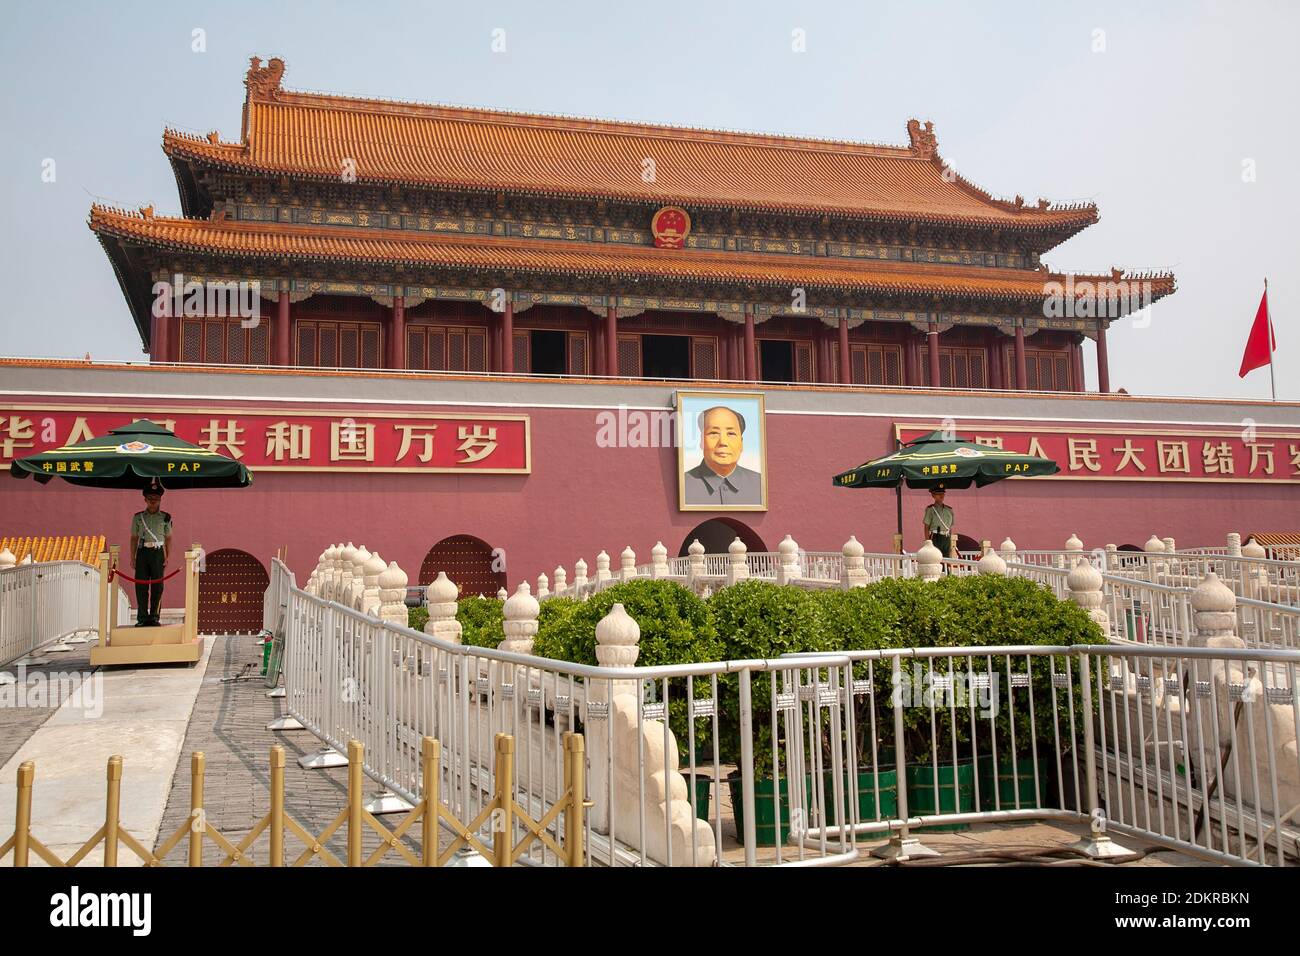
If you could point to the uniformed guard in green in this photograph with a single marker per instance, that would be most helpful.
(939, 520)
(151, 541)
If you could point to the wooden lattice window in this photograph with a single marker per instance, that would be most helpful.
(1047, 371)
(629, 356)
(522, 352)
(578, 353)
(958, 368)
(437, 348)
(223, 342)
(339, 344)
(704, 357)
(803, 362)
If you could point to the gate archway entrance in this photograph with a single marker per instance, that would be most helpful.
(966, 544)
(716, 535)
(230, 593)
(468, 561)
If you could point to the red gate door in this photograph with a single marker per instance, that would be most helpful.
(230, 593)
(469, 563)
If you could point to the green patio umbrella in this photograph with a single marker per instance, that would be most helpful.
(939, 459)
(936, 459)
(133, 456)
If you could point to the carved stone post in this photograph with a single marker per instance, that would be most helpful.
(627, 565)
(854, 574)
(1153, 547)
(543, 586)
(787, 572)
(992, 563)
(1008, 550)
(440, 597)
(1234, 544)
(392, 595)
(695, 564)
(1084, 582)
(602, 569)
(520, 621)
(659, 561)
(370, 599)
(929, 562)
(1214, 614)
(561, 582)
(737, 567)
(579, 578)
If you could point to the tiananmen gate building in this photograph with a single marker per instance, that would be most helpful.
(472, 326)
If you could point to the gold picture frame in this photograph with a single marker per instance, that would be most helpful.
(697, 482)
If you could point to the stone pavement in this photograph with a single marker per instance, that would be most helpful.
(229, 726)
(140, 713)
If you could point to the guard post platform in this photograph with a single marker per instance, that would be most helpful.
(128, 644)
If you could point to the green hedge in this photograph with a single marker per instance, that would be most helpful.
(480, 621)
(759, 619)
(417, 617)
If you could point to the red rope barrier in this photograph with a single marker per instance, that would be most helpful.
(126, 577)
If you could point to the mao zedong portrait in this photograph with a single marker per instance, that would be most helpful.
(719, 479)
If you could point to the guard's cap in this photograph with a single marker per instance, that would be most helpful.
(937, 489)
(153, 488)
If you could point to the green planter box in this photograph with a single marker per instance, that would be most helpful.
(956, 793)
(1010, 784)
(867, 809)
(764, 818)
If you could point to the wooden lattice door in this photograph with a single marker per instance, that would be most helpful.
(469, 562)
(230, 593)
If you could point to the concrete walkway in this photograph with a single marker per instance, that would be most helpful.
(140, 713)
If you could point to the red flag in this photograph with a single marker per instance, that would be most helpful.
(1262, 344)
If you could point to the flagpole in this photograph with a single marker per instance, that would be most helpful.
(1268, 317)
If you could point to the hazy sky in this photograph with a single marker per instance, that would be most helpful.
(1157, 127)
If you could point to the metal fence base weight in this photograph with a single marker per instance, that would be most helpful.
(323, 759)
(385, 801)
(902, 849)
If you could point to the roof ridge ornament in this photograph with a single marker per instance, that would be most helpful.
(263, 82)
(922, 141)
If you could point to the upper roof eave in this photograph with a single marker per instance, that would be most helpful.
(278, 241)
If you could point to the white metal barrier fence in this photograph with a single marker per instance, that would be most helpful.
(43, 602)
(791, 761)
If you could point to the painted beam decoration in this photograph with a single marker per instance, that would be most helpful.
(295, 439)
(1141, 453)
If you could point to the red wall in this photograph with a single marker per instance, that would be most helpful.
(581, 498)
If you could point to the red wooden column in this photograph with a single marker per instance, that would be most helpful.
(996, 364)
(157, 338)
(751, 360)
(724, 351)
(735, 344)
(611, 341)
(1076, 366)
(846, 366)
(1103, 362)
(397, 334)
(508, 337)
(932, 340)
(280, 350)
(1022, 373)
